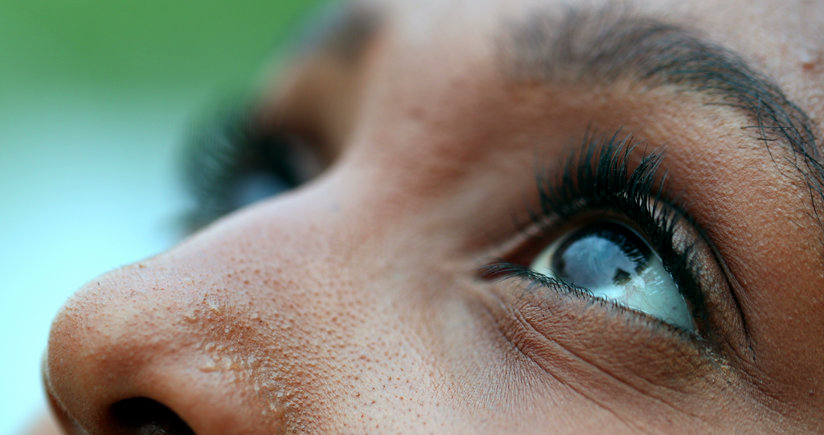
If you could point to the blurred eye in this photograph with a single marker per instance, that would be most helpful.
(232, 162)
(611, 261)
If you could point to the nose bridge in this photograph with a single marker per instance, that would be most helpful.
(220, 330)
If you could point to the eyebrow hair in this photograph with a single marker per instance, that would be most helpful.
(611, 44)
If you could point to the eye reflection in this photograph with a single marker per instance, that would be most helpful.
(611, 261)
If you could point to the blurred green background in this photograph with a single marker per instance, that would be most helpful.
(95, 100)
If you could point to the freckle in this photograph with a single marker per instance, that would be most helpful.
(246, 282)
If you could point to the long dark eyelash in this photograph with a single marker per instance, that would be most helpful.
(599, 177)
(222, 156)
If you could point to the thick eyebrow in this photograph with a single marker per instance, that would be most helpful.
(603, 46)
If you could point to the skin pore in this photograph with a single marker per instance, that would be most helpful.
(361, 301)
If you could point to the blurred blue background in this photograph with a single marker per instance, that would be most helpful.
(95, 100)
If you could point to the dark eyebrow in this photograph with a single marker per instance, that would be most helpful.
(607, 45)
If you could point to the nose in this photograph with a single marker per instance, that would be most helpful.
(120, 361)
(200, 339)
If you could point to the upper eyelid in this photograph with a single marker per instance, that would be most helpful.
(599, 46)
(645, 193)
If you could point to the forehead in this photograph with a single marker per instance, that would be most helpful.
(434, 60)
(782, 39)
(433, 90)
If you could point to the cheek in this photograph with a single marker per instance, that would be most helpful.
(591, 360)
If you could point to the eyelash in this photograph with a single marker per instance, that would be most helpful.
(226, 152)
(598, 178)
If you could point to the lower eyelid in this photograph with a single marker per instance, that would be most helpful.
(724, 339)
(567, 343)
(551, 326)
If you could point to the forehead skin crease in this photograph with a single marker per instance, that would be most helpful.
(352, 304)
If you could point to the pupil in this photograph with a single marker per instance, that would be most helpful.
(600, 255)
(621, 277)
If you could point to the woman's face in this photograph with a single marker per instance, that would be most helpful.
(534, 217)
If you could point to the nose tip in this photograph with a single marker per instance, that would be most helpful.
(90, 377)
(118, 363)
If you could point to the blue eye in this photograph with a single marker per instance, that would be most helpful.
(605, 229)
(611, 261)
(601, 255)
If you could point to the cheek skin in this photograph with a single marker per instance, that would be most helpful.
(618, 364)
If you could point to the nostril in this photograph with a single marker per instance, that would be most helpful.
(146, 416)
